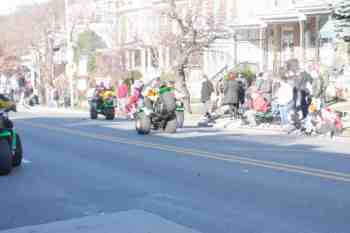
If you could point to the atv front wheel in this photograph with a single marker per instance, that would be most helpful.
(17, 158)
(93, 114)
(5, 157)
(143, 124)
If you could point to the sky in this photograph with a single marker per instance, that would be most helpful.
(8, 6)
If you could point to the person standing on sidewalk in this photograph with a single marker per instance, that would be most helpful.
(303, 81)
(231, 92)
(206, 93)
(316, 90)
(285, 100)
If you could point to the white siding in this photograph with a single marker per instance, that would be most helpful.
(249, 52)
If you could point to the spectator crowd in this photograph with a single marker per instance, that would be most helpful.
(294, 99)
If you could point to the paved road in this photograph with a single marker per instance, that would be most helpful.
(198, 180)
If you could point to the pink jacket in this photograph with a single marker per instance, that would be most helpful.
(122, 91)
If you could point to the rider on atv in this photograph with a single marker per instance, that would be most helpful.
(102, 102)
(102, 94)
(5, 102)
(159, 109)
(162, 92)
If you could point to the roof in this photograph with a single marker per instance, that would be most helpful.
(314, 7)
(298, 12)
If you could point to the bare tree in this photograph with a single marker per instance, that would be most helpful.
(44, 33)
(41, 36)
(196, 31)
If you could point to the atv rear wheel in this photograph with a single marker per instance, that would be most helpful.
(5, 157)
(110, 114)
(17, 158)
(171, 126)
(143, 124)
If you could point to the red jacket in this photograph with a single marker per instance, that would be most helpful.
(259, 104)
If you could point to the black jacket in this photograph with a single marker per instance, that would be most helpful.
(231, 92)
(167, 99)
(206, 91)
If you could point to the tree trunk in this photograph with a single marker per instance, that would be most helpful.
(184, 88)
(348, 51)
(43, 94)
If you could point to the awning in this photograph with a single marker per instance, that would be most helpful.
(280, 17)
(246, 24)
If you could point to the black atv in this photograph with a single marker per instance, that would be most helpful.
(11, 153)
(158, 115)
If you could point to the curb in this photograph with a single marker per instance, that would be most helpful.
(53, 110)
(195, 117)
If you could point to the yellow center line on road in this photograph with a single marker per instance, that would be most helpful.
(321, 173)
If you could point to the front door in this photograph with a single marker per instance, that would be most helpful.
(287, 40)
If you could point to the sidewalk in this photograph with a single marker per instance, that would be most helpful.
(190, 119)
(133, 221)
(227, 124)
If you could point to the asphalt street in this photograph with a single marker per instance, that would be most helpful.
(199, 180)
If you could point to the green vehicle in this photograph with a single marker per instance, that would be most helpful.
(11, 153)
(104, 107)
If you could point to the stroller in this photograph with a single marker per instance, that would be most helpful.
(258, 111)
(323, 122)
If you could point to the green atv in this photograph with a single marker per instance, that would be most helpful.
(105, 107)
(11, 153)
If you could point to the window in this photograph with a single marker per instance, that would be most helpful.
(137, 58)
(164, 23)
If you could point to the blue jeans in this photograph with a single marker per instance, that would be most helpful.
(274, 108)
(284, 110)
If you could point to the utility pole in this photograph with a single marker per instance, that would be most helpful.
(69, 53)
(51, 54)
(235, 50)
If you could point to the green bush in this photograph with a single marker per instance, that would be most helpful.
(87, 44)
(245, 71)
(131, 76)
